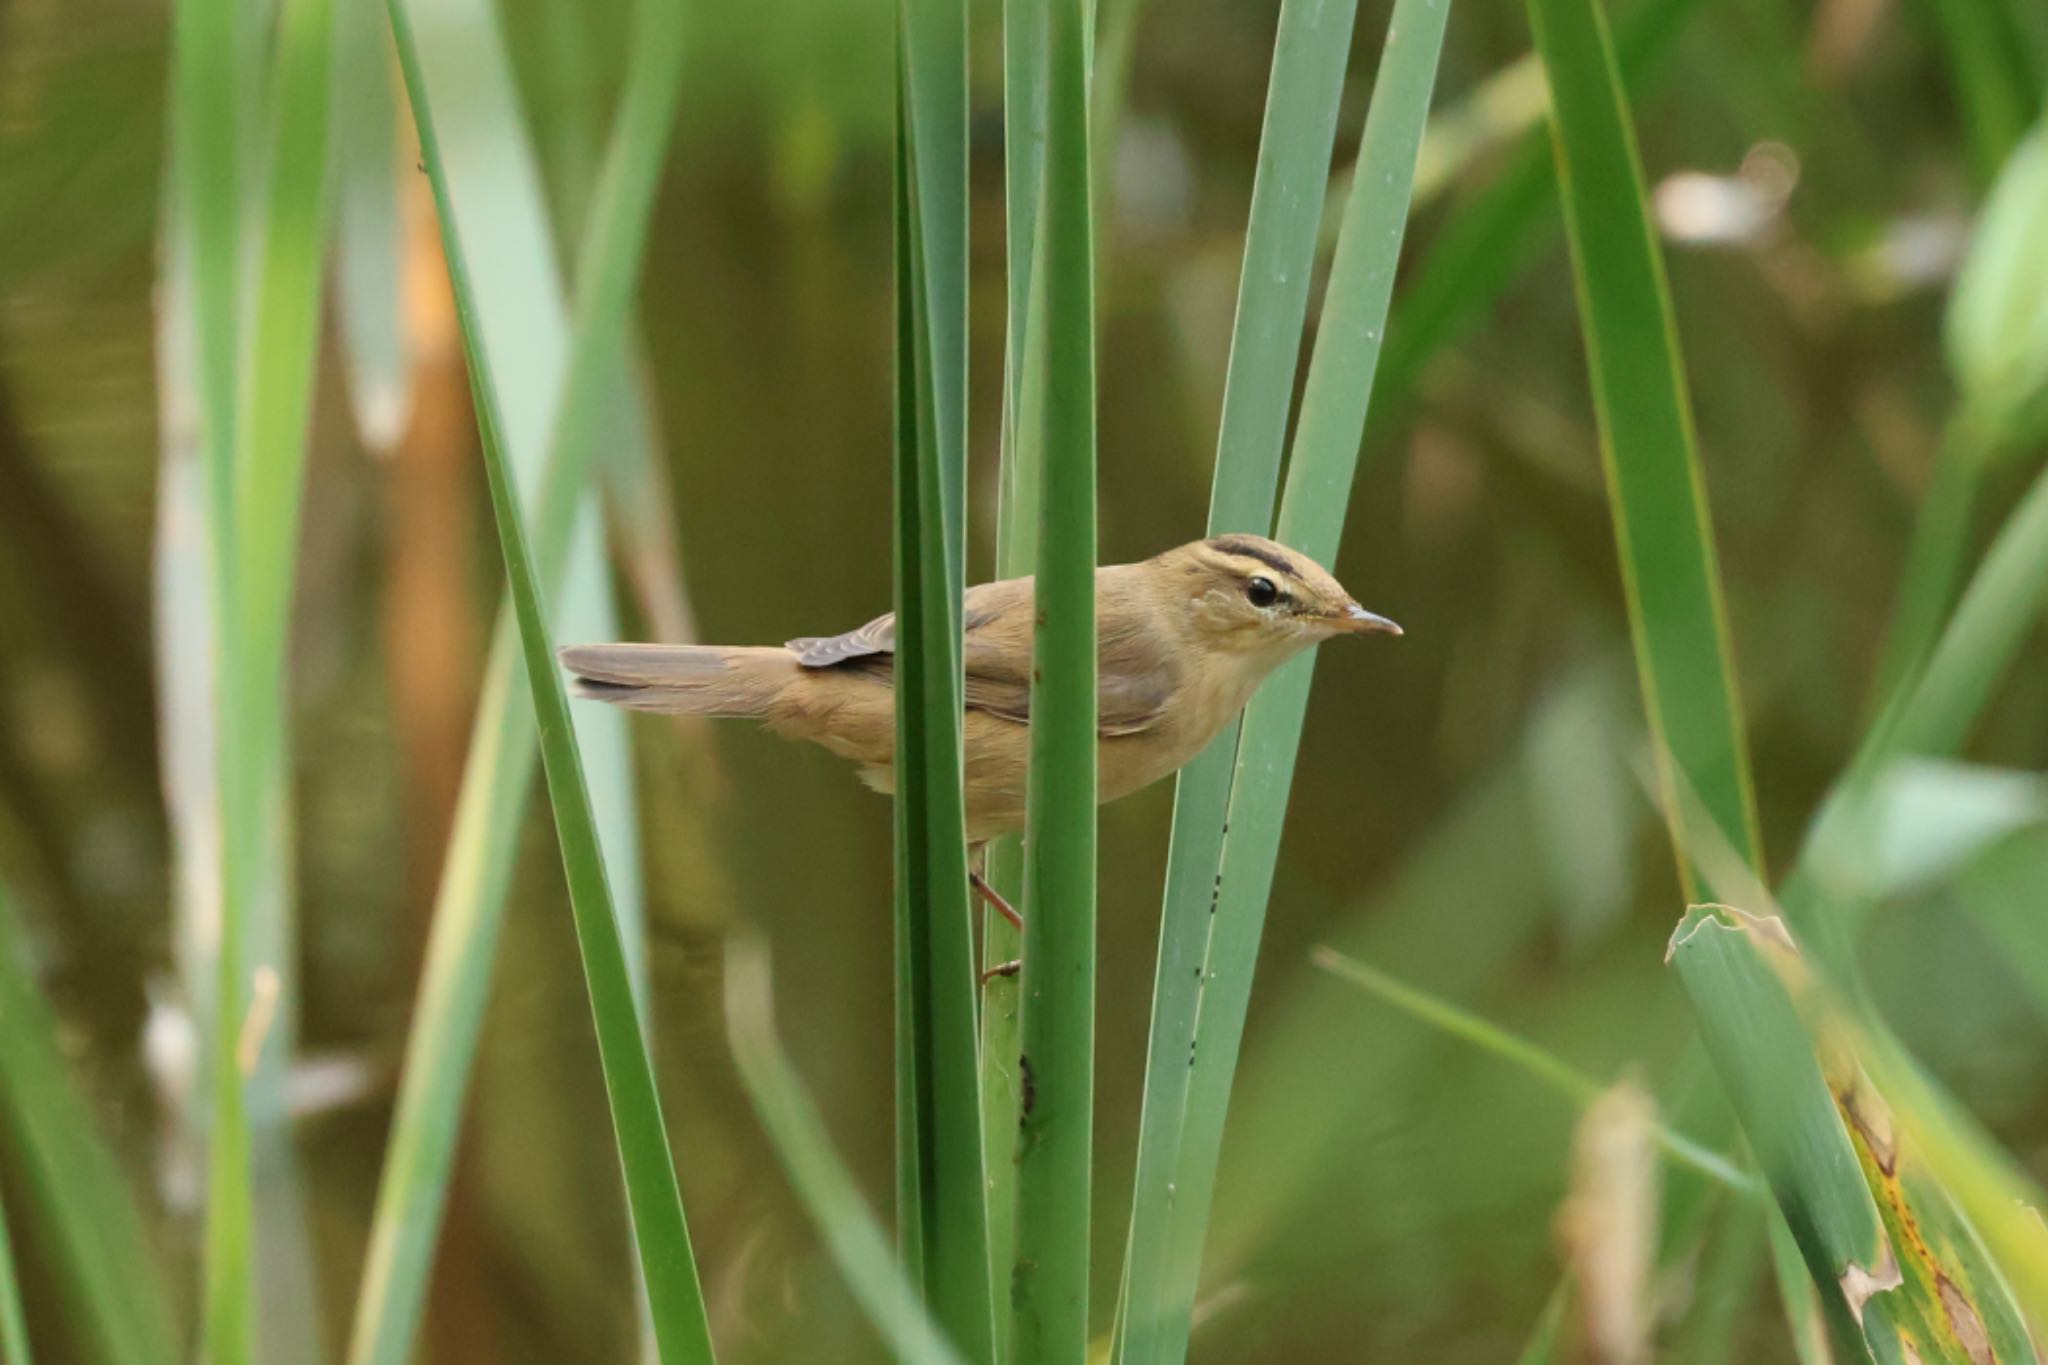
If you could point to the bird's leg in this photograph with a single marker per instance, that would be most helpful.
(978, 859)
(995, 899)
(1008, 912)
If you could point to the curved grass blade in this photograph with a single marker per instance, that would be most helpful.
(1326, 444)
(1310, 48)
(942, 1215)
(1656, 492)
(855, 1238)
(498, 176)
(1553, 1071)
(69, 1189)
(675, 1298)
(1056, 423)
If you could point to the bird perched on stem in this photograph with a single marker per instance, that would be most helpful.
(1183, 639)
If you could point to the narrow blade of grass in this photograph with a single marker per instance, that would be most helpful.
(69, 1189)
(1056, 423)
(1996, 330)
(1326, 444)
(496, 175)
(1656, 491)
(859, 1246)
(675, 1298)
(942, 1213)
(1310, 48)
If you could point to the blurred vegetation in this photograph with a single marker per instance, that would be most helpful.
(1469, 812)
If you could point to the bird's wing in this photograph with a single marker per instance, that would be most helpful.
(826, 651)
(1137, 674)
(877, 639)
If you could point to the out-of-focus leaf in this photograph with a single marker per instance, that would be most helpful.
(369, 230)
(1608, 1224)
(1997, 341)
(1993, 72)
(1922, 819)
(1997, 326)
(70, 1194)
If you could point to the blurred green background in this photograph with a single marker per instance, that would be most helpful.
(1467, 812)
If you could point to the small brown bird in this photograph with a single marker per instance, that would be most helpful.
(1183, 639)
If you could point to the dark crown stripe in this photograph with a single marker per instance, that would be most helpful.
(1251, 549)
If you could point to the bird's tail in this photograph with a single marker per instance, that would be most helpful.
(686, 680)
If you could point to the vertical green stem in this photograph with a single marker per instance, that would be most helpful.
(1024, 97)
(1057, 422)
(941, 1194)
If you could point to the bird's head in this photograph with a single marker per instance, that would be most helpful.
(1249, 595)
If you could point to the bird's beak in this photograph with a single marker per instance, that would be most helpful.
(1356, 620)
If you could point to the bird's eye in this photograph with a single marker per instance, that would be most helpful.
(1261, 592)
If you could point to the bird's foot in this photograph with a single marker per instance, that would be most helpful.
(1009, 968)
